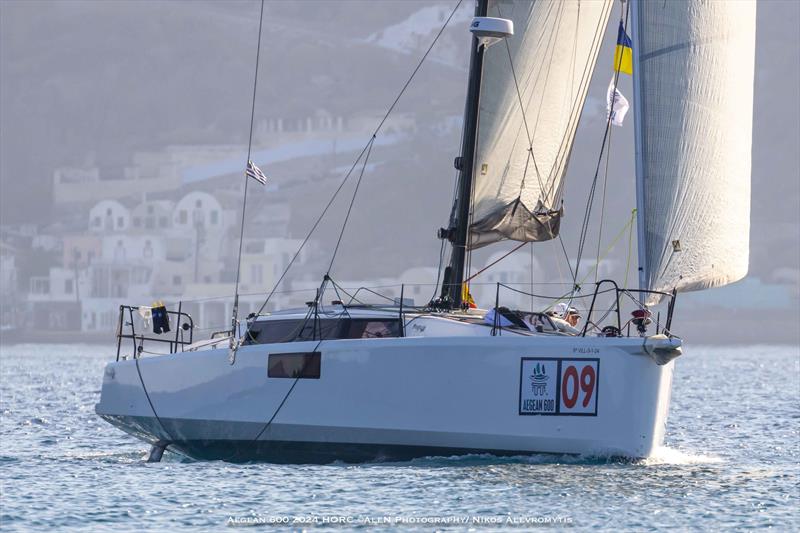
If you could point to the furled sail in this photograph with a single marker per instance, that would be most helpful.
(533, 89)
(693, 108)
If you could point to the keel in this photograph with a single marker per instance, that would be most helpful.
(157, 451)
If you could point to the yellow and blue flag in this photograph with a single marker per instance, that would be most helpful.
(623, 56)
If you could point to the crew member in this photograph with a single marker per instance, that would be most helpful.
(565, 318)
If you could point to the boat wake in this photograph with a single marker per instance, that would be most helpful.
(119, 457)
(534, 459)
(665, 455)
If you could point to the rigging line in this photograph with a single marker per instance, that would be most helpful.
(558, 263)
(603, 205)
(534, 73)
(355, 163)
(352, 201)
(451, 217)
(473, 184)
(150, 402)
(550, 52)
(630, 245)
(546, 191)
(286, 396)
(419, 65)
(610, 247)
(575, 114)
(555, 299)
(524, 118)
(590, 199)
(565, 149)
(438, 271)
(566, 255)
(530, 141)
(471, 220)
(311, 231)
(531, 247)
(605, 182)
(235, 316)
(305, 364)
(487, 267)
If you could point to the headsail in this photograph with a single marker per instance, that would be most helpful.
(693, 77)
(533, 89)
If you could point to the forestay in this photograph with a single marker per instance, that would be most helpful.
(694, 106)
(525, 137)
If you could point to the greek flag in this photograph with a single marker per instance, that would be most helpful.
(255, 173)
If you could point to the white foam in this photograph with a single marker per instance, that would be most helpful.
(665, 455)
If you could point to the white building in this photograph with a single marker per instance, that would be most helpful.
(109, 216)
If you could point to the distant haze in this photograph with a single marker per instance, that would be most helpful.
(90, 84)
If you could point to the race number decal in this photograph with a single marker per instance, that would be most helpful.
(553, 386)
(578, 386)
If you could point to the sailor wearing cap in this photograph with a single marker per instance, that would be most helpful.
(566, 318)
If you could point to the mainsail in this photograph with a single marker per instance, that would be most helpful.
(693, 105)
(533, 88)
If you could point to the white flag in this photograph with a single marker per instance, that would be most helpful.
(616, 105)
(255, 173)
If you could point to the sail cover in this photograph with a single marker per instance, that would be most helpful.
(694, 105)
(533, 88)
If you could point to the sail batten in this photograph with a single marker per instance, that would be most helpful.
(693, 72)
(534, 85)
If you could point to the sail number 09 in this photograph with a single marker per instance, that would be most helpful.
(559, 387)
(578, 386)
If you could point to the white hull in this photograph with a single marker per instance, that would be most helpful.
(394, 398)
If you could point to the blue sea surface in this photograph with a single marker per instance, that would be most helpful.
(731, 461)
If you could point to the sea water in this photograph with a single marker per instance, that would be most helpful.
(731, 460)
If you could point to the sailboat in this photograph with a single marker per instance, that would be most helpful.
(346, 381)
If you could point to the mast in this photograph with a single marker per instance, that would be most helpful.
(458, 232)
(638, 132)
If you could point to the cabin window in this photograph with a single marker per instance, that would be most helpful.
(325, 329)
(300, 330)
(372, 329)
(304, 365)
(273, 331)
